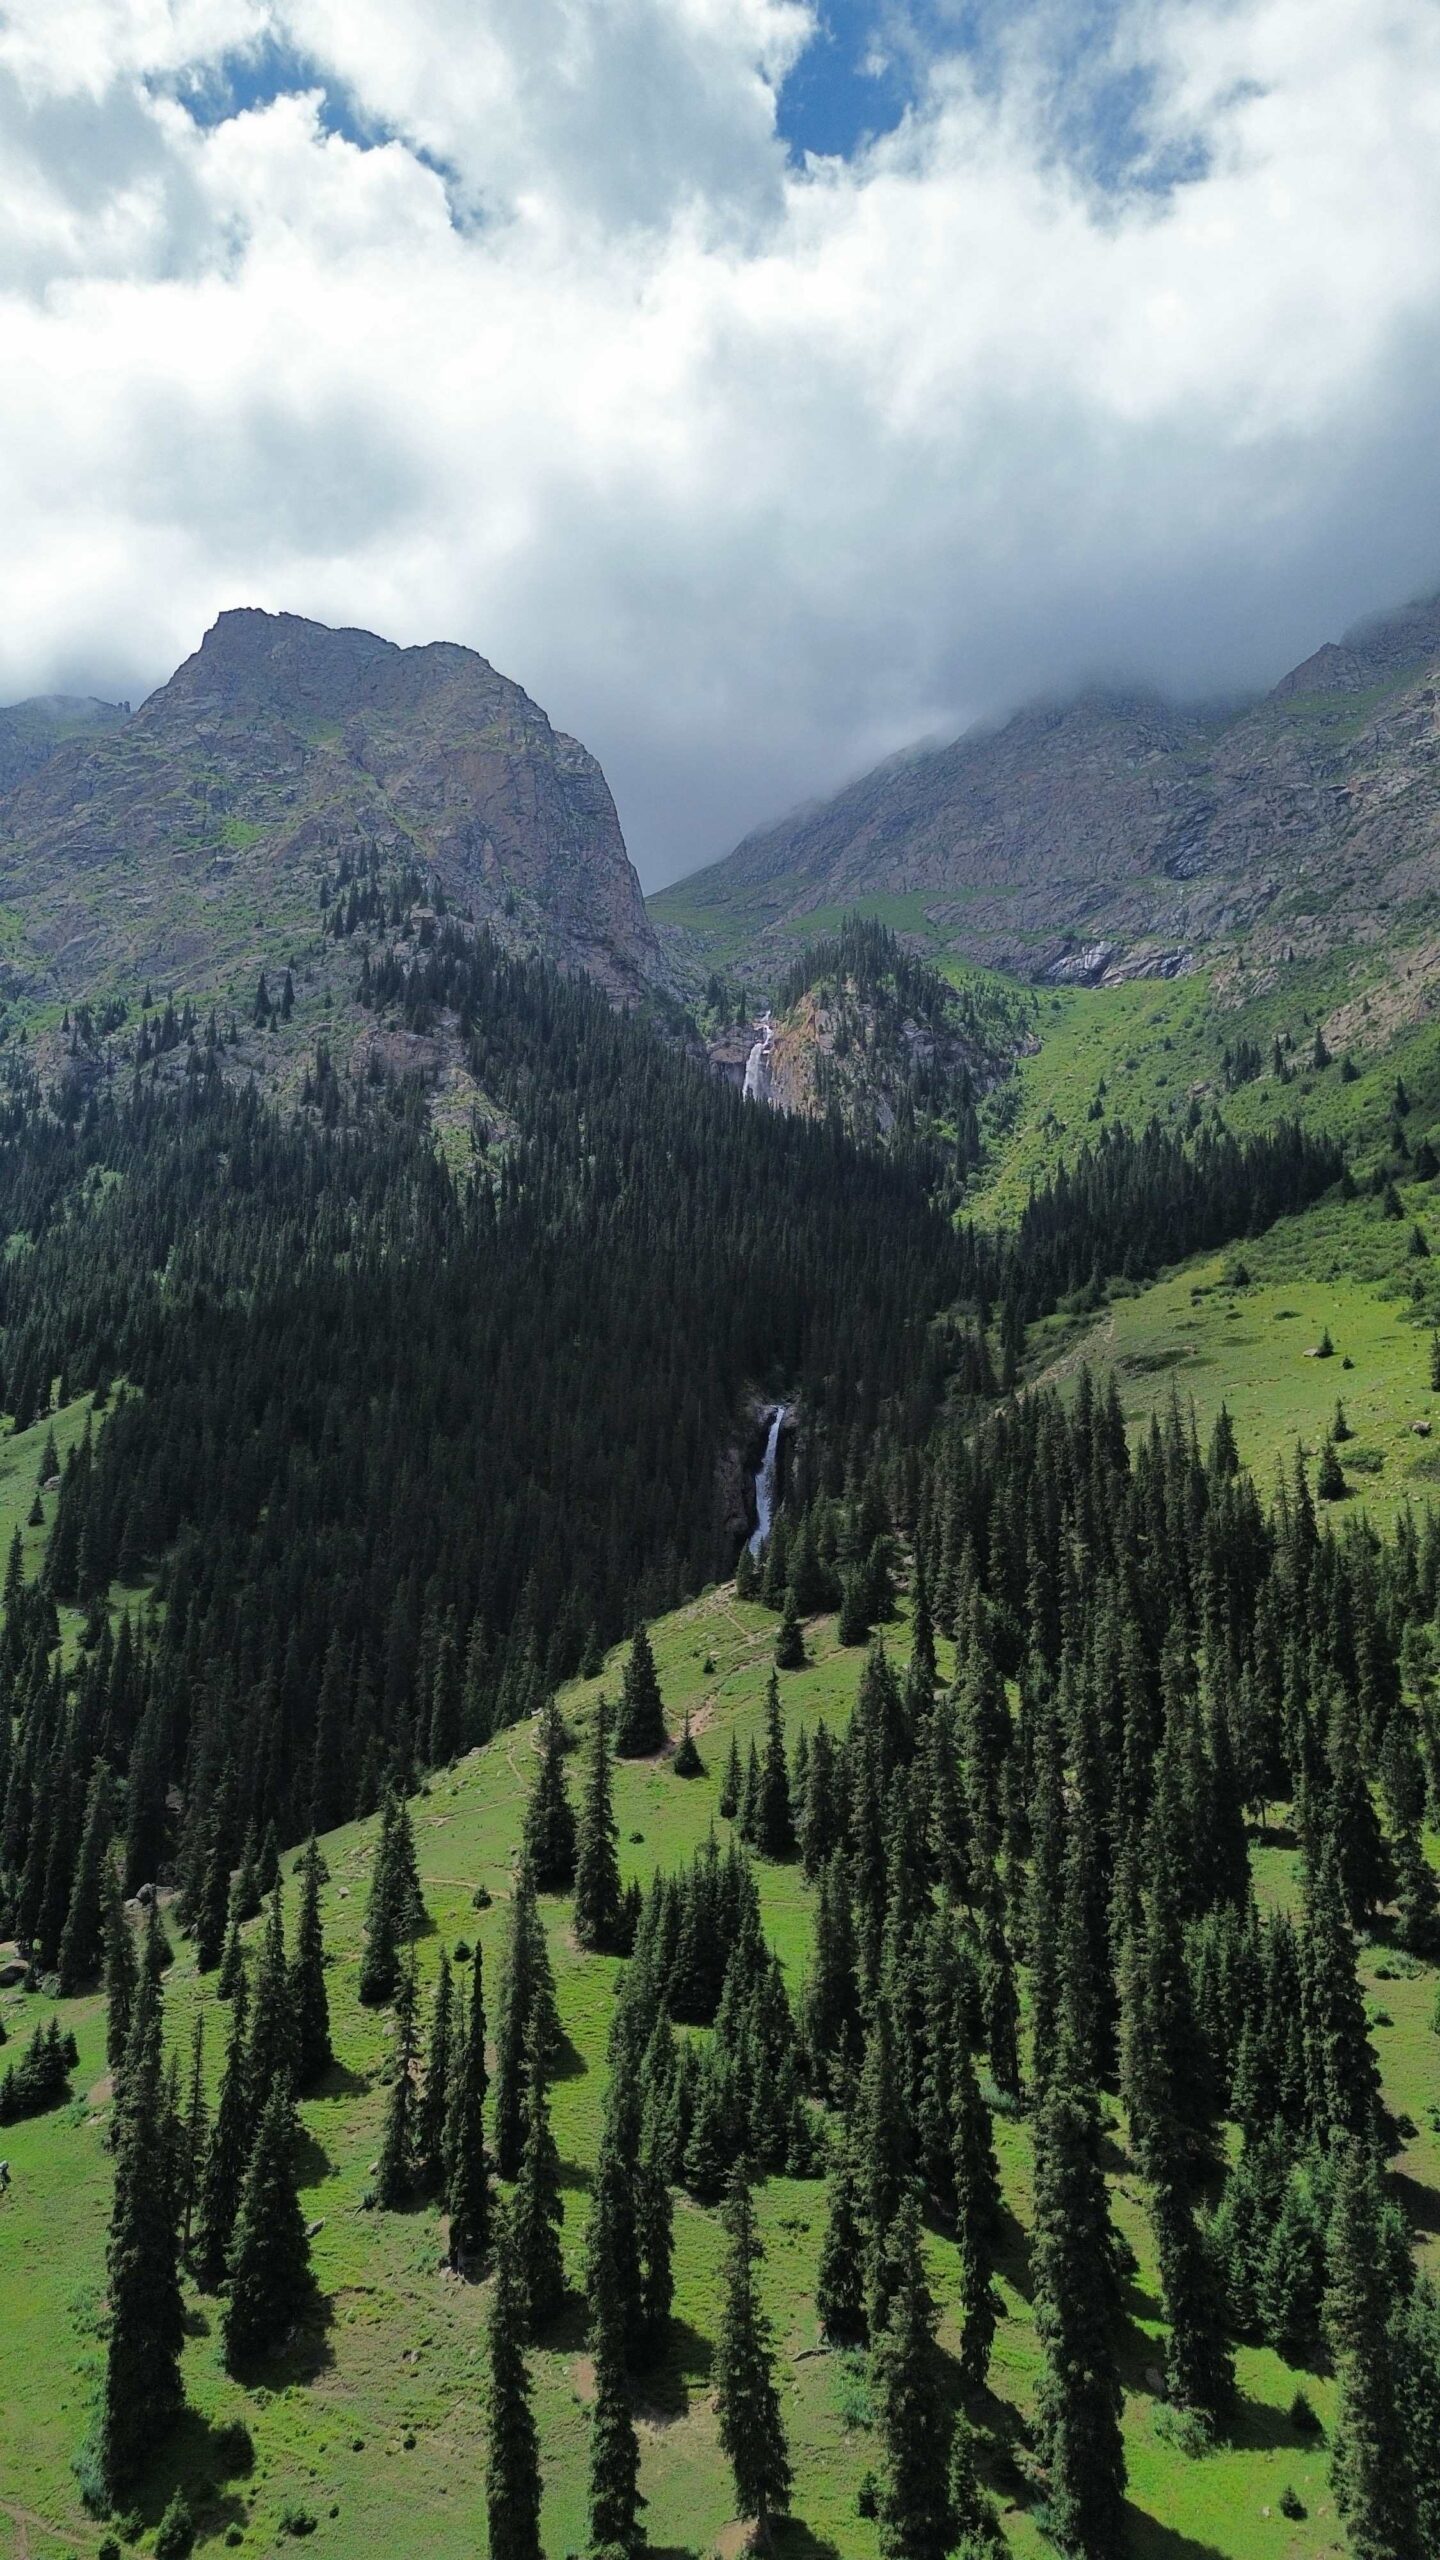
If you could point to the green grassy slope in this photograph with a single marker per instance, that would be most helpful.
(1110, 1055)
(381, 2438)
(1114, 1056)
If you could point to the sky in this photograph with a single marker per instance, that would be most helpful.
(764, 384)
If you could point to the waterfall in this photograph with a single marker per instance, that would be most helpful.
(757, 1065)
(765, 1472)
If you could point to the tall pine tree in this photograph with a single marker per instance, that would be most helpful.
(309, 2000)
(597, 1866)
(271, 2286)
(640, 1720)
(752, 2431)
(142, 2393)
(512, 2446)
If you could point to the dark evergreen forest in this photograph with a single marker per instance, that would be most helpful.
(383, 1452)
(396, 1448)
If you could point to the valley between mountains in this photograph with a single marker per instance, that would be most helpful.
(720, 1649)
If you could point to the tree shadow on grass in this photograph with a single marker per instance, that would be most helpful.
(1256, 2427)
(340, 2082)
(1002, 2444)
(569, 2062)
(567, 2331)
(197, 2458)
(1421, 2204)
(1136, 2305)
(1012, 2255)
(304, 2357)
(1148, 2539)
(313, 2164)
(663, 2393)
(1140, 2357)
(799, 2541)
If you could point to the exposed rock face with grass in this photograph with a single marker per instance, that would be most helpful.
(158, 844)
(1118, 834)
(31, 732)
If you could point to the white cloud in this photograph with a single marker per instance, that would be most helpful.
(748, 472)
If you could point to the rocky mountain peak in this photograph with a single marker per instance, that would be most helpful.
(177, 843)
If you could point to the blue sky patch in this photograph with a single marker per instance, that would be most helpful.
(257, 75)
(871, 60)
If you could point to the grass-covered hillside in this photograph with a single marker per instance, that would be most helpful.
(375, 2433)
(1242, 1328)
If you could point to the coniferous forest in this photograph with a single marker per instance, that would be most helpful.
(387, 1456)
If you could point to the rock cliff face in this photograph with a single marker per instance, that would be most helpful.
(31, 732)
(1119, 835)
(157, 847)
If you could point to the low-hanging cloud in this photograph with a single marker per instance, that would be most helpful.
(511, 321)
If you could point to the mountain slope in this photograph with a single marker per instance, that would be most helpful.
(1118, 835)
(866, 1032)
(31, 732)
(173, 846)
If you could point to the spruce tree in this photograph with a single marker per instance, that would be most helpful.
(232, 1964)
(1076, 2311)
(142, 2392)
(655, 2236)
(227, 2151)
(613, 2277)
(730, 1783)
(855, 1619)
(773, 1827)
(831, 2001)
(974, 2522)
(614, 2481)
(212, 1902)
(885, 2145)
(1371, 2469)
(395, 1908)
(272, 2021)
(432, 2115)
(840, 2278)
(597, 1866)
(549, 1820)
(687, 1762)
(790, 1636)
(467, 2191)
(1342, 2083)
(119, 1974)
(1199, 2367)
(527, 1992)
(977, 2217)
(1288, 2281)
(536, 2211)
(194, 2134)
(395, 2175)
(640, 1720)
(271, 2286)
(512, 2447)
(309, 2001)
(82, 1942)
(752, 2432)
(1415, 2344)
(911, 2415)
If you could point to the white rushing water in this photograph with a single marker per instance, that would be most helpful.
(757, 1065)
(765, 1480)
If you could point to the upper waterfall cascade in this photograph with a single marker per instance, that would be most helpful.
(757, 1065)
(765, 1477)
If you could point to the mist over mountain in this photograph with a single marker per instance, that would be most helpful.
(1119, 834)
